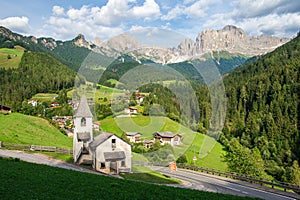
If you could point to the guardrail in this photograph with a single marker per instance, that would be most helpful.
(27, 147)
(272, 184)
(283, 185)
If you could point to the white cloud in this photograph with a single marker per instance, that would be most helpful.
(18, 24)
(57, 10)
(174, 13)
(105, 21)
(257, 8)
(195, 10)
(149, 9)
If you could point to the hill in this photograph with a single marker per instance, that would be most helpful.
(263, 108)
(37, 73)
(148, 125)
(24, 129)
(32, 181)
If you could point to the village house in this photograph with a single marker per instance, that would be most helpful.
(168, 138)
(131, 110)
(134, 137)
(96, 126)
(34, 103)
(5, 109)
(148, 143)
(106, 152)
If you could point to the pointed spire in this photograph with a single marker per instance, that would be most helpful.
(83, 109)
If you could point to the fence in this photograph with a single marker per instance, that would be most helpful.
(27, 147)
(284, 186)
(272, 184)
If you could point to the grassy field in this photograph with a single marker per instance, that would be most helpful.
(192, 141)
(144, 174)
(22, 180)
(23, 129)
(44, 97)
(15, 57)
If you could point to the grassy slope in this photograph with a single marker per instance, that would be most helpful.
(23, 129)
(31, 181)
(14, 61)
(147, 126)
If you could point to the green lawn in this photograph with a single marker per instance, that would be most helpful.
(44, 97)
(144, 174)
(22, 180)
(192, 141)
(15, 57)
(24, 129)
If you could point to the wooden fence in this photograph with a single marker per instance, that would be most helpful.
(28, 147)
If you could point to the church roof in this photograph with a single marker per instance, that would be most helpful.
(83, 109)
(100, 139)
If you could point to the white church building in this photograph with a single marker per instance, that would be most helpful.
(106, 152)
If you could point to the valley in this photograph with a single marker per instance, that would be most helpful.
(257, 135)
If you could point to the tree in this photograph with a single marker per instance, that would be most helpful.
(244, 161)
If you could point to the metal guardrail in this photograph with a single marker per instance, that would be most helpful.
(26, 147)
(285, 186)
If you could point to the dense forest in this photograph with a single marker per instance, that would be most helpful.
(37, 72)
(263, 112)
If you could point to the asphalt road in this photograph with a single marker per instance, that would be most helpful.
(203, 182)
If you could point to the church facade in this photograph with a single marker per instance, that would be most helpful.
(107, 152)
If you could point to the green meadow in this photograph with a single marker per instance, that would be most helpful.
(32, 181)
(23, 129)
(192, 142)
(10, 58)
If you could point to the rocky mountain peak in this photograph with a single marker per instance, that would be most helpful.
(231, 39)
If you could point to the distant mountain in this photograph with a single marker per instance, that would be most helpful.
(72, 53)
(231, 39)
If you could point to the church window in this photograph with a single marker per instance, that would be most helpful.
(102, 165)
(83, 121)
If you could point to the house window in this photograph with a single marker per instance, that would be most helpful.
(83, 121)
(102, 165)
(123, 163)
(113, 143)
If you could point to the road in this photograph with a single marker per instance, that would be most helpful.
(43, 159)
(208, 183)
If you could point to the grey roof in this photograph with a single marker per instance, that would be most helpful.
(83, 136)
(132, 133)
(114, 156)
(100, 139)
(166, 134)
(83, 109)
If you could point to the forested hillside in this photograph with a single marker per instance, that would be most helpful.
(263, 112)
(37, 72)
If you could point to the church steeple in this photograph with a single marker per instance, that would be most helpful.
(83, 109)
(83, 128)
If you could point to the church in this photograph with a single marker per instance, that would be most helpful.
(107, 152)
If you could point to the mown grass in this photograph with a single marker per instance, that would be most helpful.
(44, 97)
(23, 129)
(15, 57)
(22, 180)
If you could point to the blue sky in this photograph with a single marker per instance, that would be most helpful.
(106, 19)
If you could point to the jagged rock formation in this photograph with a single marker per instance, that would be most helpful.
(231, 39)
